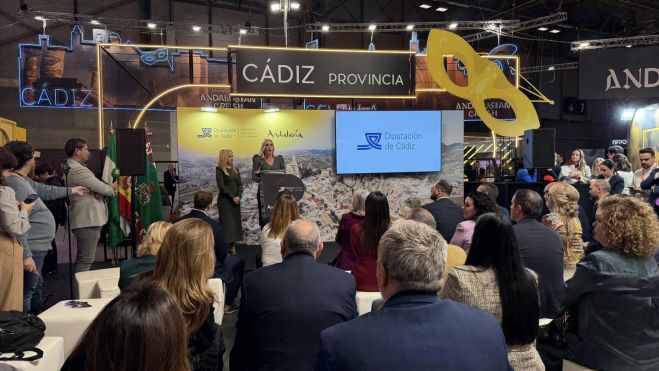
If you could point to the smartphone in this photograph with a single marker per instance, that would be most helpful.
(31, 198)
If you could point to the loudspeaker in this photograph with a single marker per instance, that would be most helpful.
(539, 146)
(131, 151)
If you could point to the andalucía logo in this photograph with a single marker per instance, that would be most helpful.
(205, 133)
(373, 141)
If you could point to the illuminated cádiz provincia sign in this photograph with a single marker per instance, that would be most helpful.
(293, 72)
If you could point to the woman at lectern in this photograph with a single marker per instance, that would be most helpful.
(228, 199)
(266, 160)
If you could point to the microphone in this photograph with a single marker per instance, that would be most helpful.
(65, 168)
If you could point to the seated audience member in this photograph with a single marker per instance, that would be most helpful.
(147, 252)
(562, 201)
(446, 213)
(454, 254)
(540, 248)
(608, 173)
(284, 213)
(364, 238)
(185, 263)
(141, 329)
(476, 204)
(624, 169)
(583, 217)
(556, 170)
(284, 307)
(614, 293)
(576, 169)
(595, 168)
(495, 280)
(648, 163)
(415, 330)
(229, 269)
(346, 258)
(522, 175)
(491, 190)
(614, 150)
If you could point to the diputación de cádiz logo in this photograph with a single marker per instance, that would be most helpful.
(372, 140)
(205, 133)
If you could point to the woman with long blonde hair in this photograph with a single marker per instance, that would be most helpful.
(562, 201)
(185, 263)
(595, 168)
(147, 251)
(264, 162)
(284, 213)
(228, 200)
(576, 168)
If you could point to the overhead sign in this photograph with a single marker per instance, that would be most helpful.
(619, 73)
(291, 72)
(574, 106)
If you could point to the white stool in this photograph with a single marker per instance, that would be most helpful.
(217, 286)
(108, 288)
(70, 323)
(53, 356)
(365, 300)
(571, 366)
(86, 282)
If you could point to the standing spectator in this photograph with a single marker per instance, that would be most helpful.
(228, 199)
(614, 150)
(88, 212)
(147, 252)
(42, 231)
(171, 180)
(576, 169)
(612, 296)
(14, 222)
(364, 238)
(540, 248)
(446, 213)
(595, 168)
(185, 263)
(44, 174)
(285, 306)
(562, 201)
(623, 168)
(648, 163)
(228, 268)
(346, 258)
(491, 190)
(556, 170)
(284, 213)
(608, 173)
(403, 335)
(495, 280)
(476, 204)
(141, 329)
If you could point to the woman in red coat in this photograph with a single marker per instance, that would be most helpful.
(364, 239)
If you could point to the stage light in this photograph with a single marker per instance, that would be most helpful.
(325, 28)
(409, 27)
(424, 6)
(196, 28)
(94, 22)
(208, 109)
(275, 7)
(151, 25)
(551, 68)
(295, 5)
(243, 31)
(584, 45)
(627, 114)
(271, 110)
(453, 26)
(372, 27)
(441, 9)
(555, 30)
(39, 18)
(628, 46)
(542, 29)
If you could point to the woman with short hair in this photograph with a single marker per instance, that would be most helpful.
(284, 213)
(142, 329)
(613, 293)
(495, 280)
(147, 251)
(563, 217)
(476, 204)
(346, 257)
(608, 173)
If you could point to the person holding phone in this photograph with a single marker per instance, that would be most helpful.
(42, 222)
(13, 223)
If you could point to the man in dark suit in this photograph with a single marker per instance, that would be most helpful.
(491, 190)
(415, 330)
(446, 213)
(229, 269)
(171, 180)
(540, 248)
(285, 306)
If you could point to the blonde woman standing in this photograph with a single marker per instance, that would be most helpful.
(228, 200)
(562, 201)
(576, 168)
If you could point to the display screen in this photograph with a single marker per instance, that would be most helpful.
(369, 142)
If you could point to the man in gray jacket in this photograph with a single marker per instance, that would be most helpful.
(88, 212)
(36, 241)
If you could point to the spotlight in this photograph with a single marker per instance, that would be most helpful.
(441, 9)
(372, 27)
(243, 31)
(325, 28)
(151, 25)
(628, 46)
(271, 110)
(94, 22)
(584, 45)
(551, 68)
(196, 28)
(295, 5)
(275, 7)
(424, 6)
(627, 114)
(555, 30)
(39, 18)
(409, 27)
(453, 26)
(208, 109)
(542, 29)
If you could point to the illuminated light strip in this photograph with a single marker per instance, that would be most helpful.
(425, 90)
(494, 142)
(164, 46)
(323, 96)
(99, 96)
(179, 87)
(232, 47)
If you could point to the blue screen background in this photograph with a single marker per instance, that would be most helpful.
(386, 149)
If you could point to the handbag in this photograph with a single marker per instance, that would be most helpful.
(20, 333)
(555, 332)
